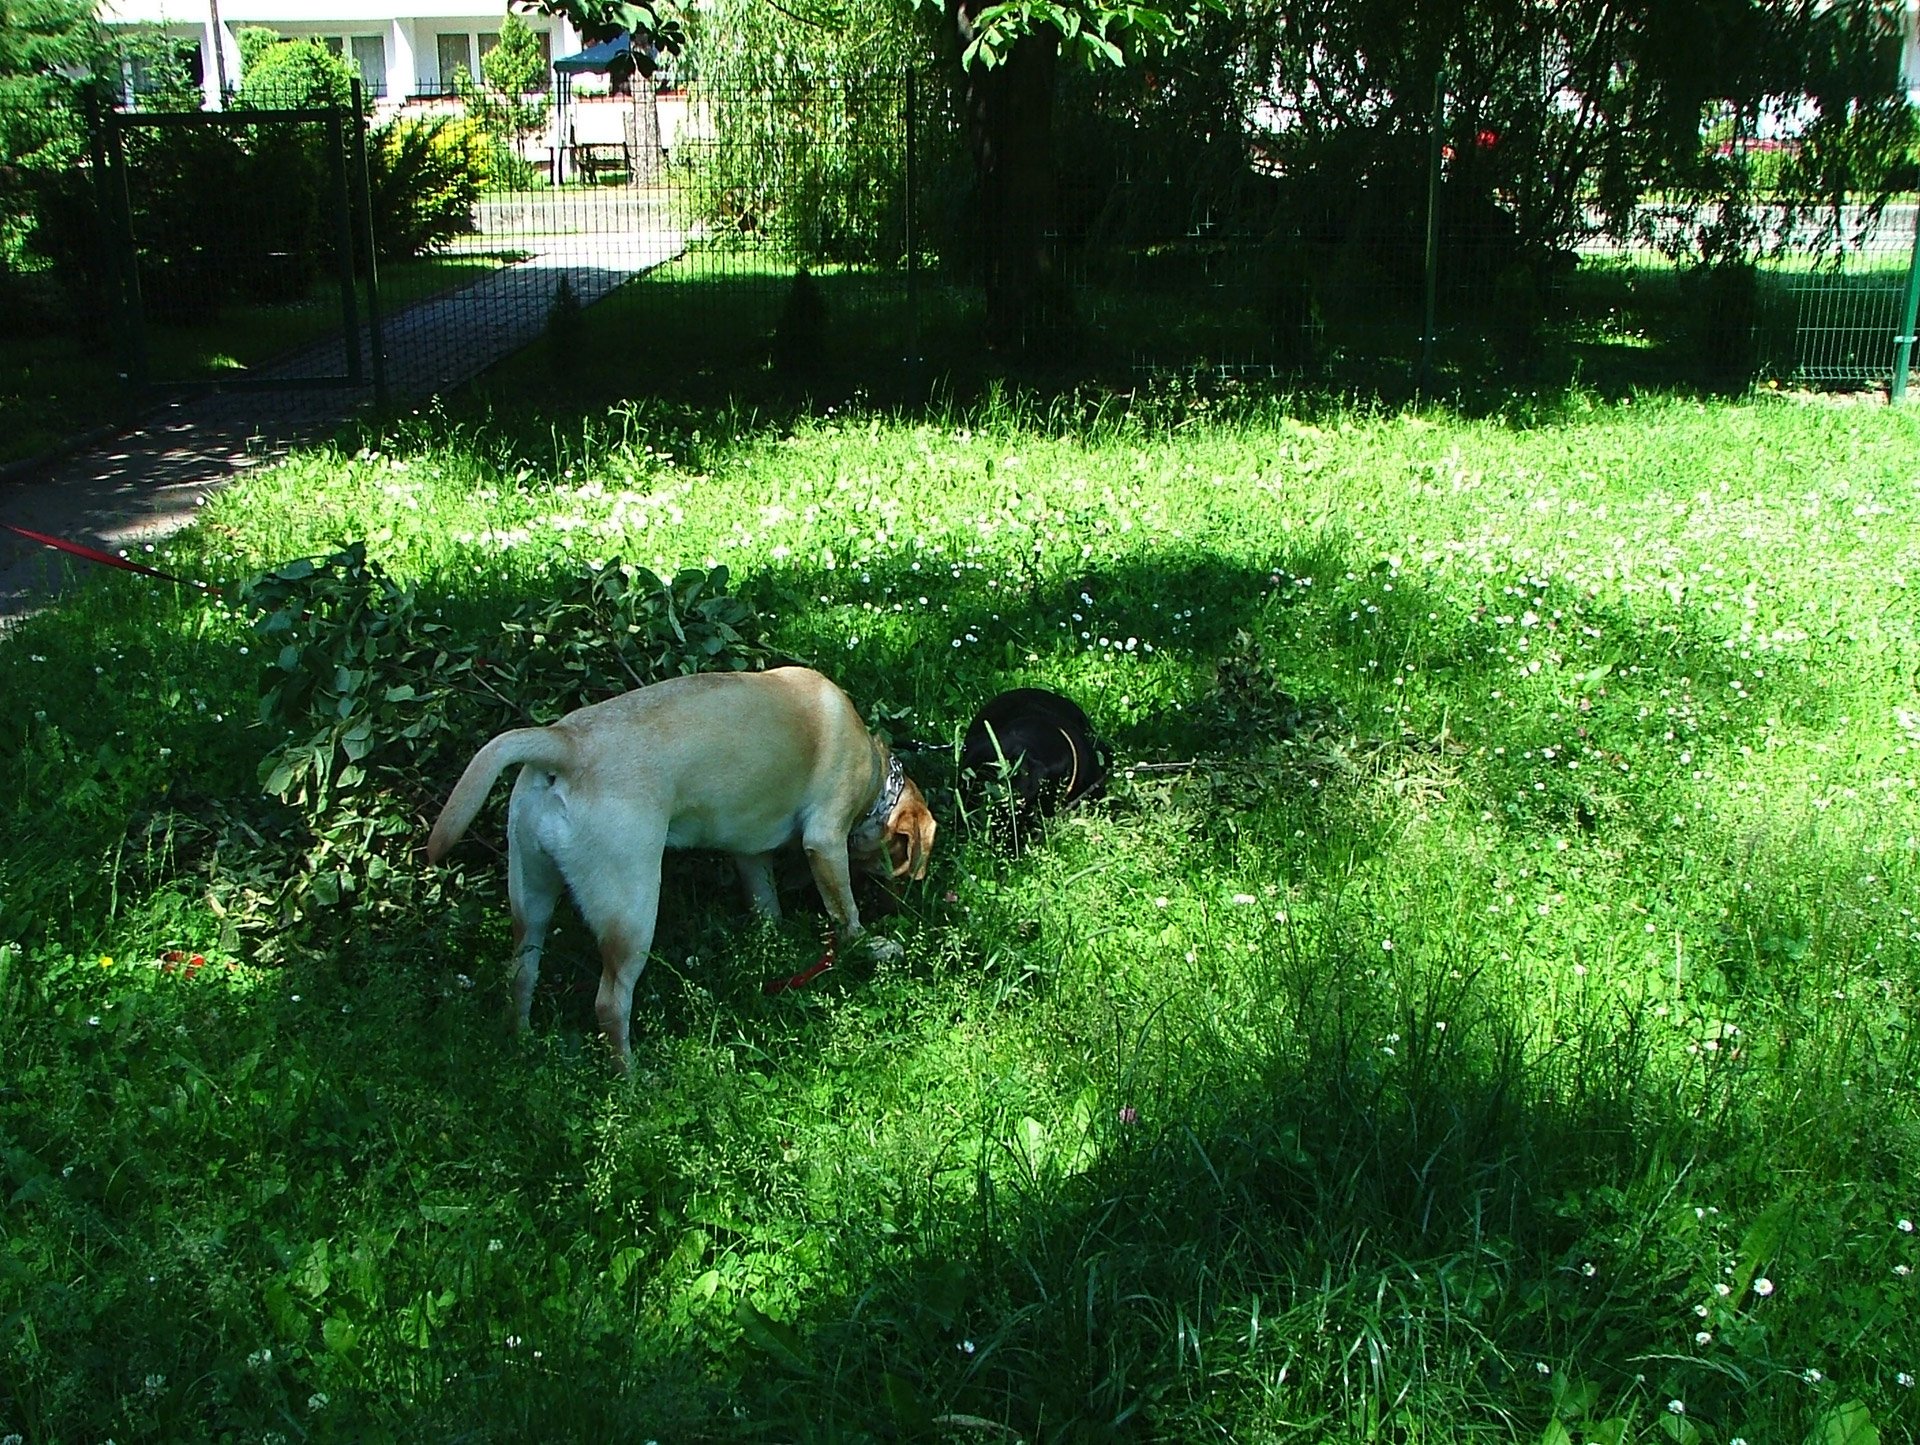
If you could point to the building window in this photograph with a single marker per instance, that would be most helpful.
(370, 59)
(456, 54)
(336, 44)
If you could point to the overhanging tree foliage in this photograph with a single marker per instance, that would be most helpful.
(43, 43)
(1562, 116)
(41, 38)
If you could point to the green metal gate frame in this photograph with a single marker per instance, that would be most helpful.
(350, 205)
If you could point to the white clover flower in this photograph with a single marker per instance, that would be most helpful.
(1903, 1380)
(1543, 1367)
(1905, 1226)
(1700, 1310)
(1812, 1377)
(1676, 1407)
(1763, 1287)
(1703, 1337)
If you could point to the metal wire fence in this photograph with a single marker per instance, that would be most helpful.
(1170, 280)
(779, 235)
(1846, 295)
(703, 208)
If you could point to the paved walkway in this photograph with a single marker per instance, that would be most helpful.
(146, 485)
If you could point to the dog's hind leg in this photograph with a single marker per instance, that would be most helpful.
(533, 888)
(756, 880)
(619, 895)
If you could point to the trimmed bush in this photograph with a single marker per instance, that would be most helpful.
(423, 178)
(296, 75)
(1518, 319)
(1291, 301)
(1726, 307)
(800, 337)
(254, 42)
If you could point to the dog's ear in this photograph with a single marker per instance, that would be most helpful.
(910, 830)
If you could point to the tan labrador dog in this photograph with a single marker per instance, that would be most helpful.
(742, 762)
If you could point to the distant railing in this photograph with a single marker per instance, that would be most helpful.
(450, 90)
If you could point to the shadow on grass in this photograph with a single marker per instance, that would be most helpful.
(1247, 656)
(1368, 1200)
(697, 338)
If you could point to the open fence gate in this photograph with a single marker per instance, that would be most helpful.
(212, 212)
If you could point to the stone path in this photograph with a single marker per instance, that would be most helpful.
(146, 485)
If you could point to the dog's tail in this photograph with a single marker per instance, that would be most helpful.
(549, 747)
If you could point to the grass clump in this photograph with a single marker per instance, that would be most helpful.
(1480, 1007)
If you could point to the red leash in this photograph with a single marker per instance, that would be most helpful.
(94, 554)
(806, 976)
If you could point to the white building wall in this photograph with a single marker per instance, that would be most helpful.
(411, 39)
(1910, 49)
(402, 62)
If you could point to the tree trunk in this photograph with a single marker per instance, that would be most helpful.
(641, 127)
(1009, 113)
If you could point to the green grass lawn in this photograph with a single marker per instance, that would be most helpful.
(1506, 1034)
(57, 386)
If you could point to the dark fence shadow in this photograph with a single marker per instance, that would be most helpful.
(716, 348)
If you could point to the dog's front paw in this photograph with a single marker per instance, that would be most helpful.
(882, 950)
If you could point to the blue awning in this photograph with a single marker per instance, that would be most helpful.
(599, 58)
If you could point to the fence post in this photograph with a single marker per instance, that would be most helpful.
(1909, 313)
(913, 241)
(364, 186)
(133, 308)
(107, 215)
(1434, 144)
(343, 242)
